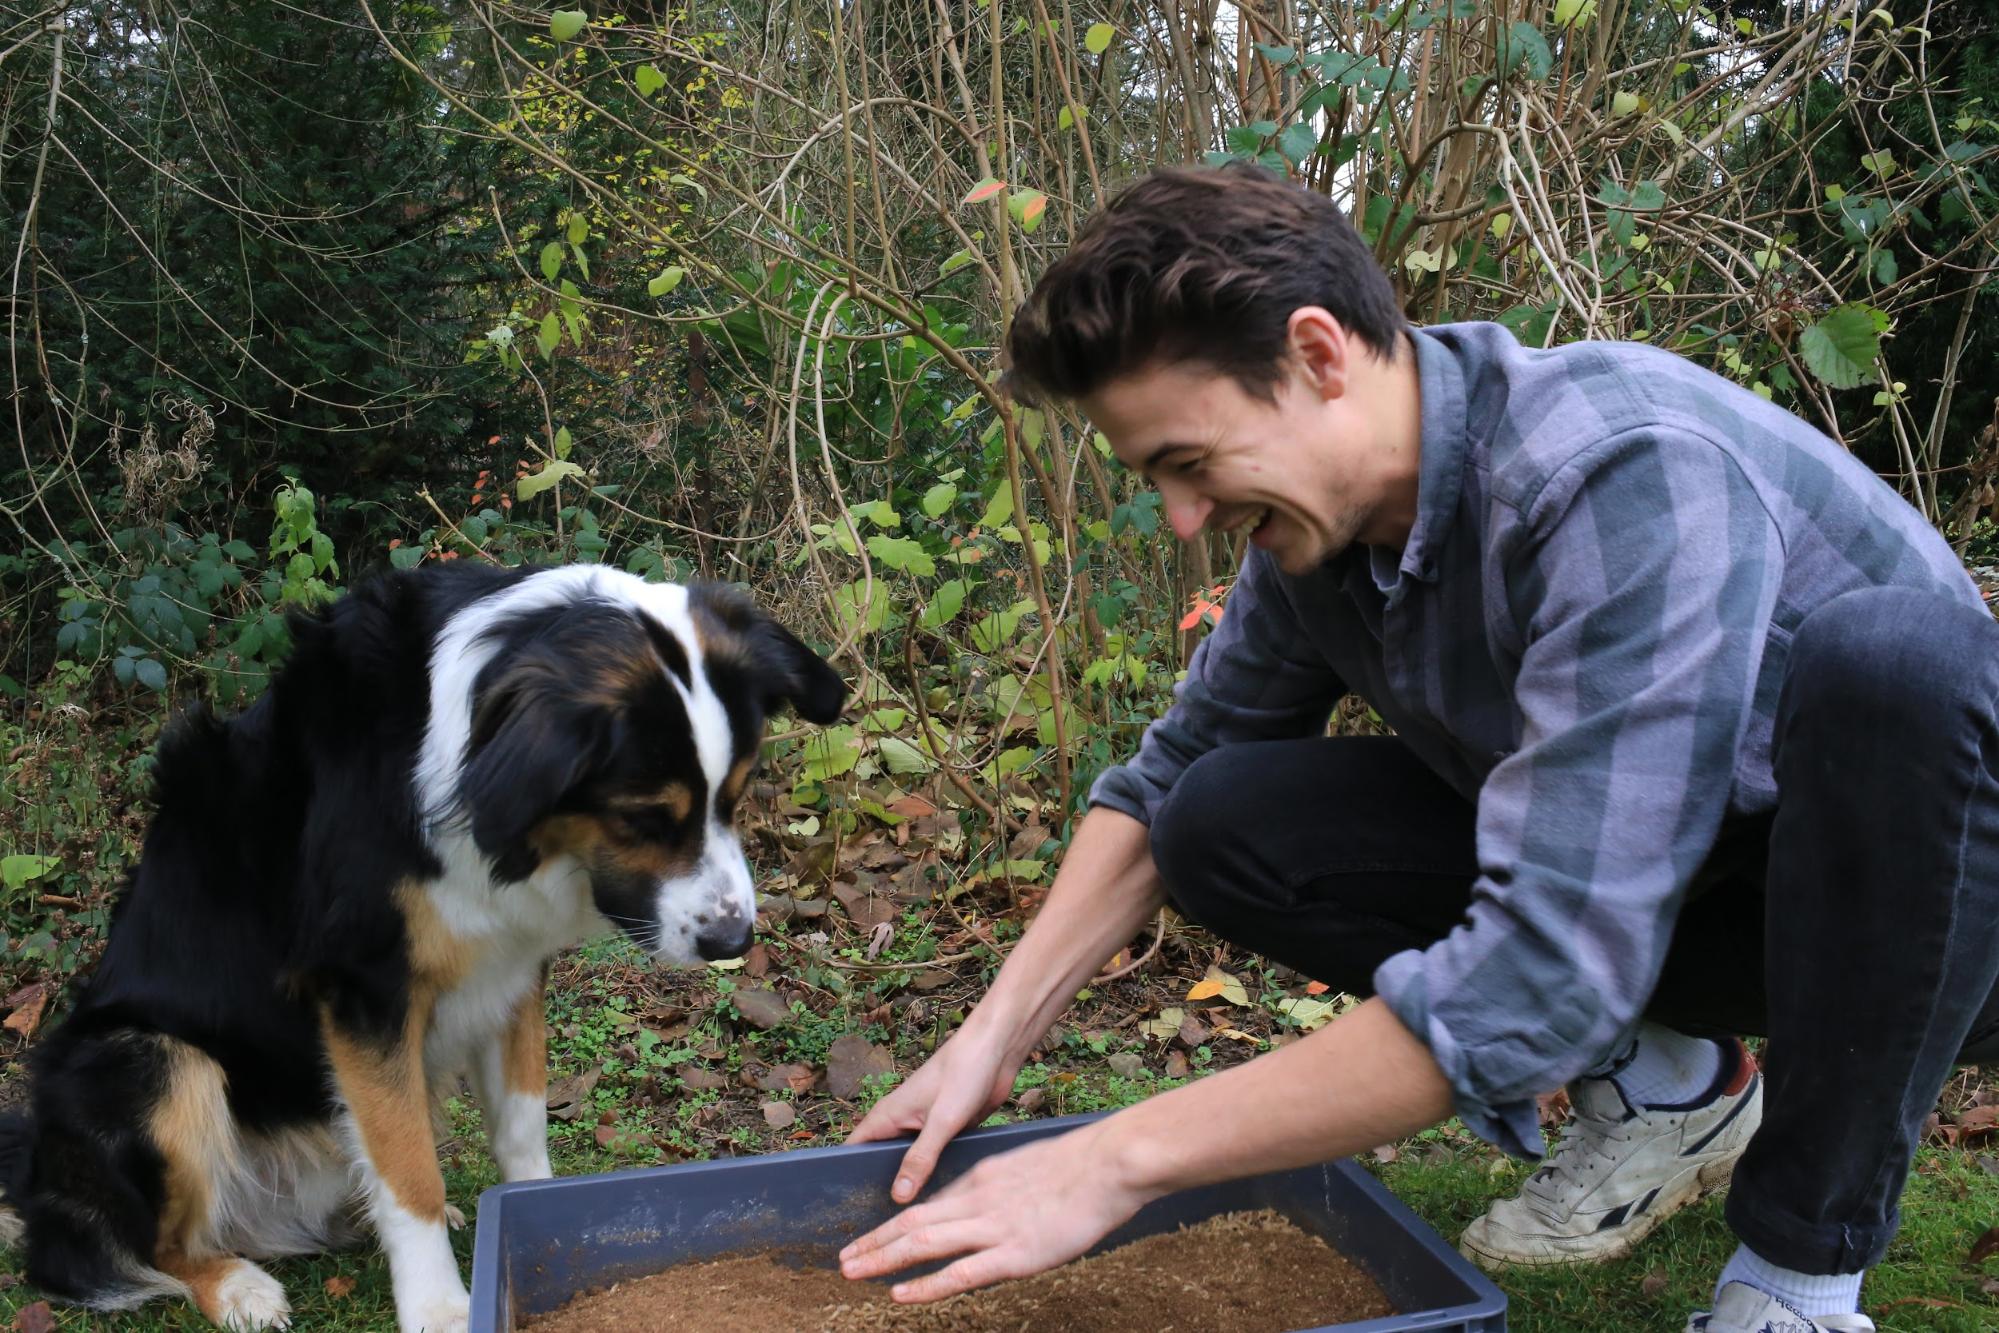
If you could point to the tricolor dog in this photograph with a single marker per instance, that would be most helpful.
(348, 897)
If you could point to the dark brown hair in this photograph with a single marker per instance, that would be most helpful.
(1197, 264)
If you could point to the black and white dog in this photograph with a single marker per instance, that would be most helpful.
(348, 897)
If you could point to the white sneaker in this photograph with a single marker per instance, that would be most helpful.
(1741, 1308)
(1617, 1173)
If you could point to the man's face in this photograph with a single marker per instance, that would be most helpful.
(1225, 460)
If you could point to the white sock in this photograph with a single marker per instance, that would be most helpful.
(1669, 1068)
(1814, 1294)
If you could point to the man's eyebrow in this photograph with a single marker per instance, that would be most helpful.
(1159, 452)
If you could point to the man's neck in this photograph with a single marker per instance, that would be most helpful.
(1391, 399)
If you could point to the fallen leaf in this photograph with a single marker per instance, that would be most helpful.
(617, 1139)
(1031, 1099)
(1166, 1026)
(761, 1007)
(757, 961)
(1176, 1064)
(36, 1318)
(880, 938)
(1236, 1034)
(1206, 989)
(1126, 1064)
(851, 1059)
(700, 1079)
(1554, 1107)
(784, 1078)
(1192, 1032)
(780, 1115)
(867, 910)
(568, 1097)
(1218, 983)
(1653, 1283)
(27, 1005)
(911, 807)
(1387, 1153)
(1927, 1302)
(1990, 1286)
(1984, 1247)
(1975, 1120)
(340, 1288)
(1317, 988)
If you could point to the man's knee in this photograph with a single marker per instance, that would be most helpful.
(1198, 835)
(1898, 657)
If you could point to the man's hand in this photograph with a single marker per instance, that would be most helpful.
(1011, 1216)
(961, 1085)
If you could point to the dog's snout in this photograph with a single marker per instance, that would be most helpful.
(726, 937)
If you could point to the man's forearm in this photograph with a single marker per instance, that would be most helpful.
(1361, 1081)
(1106, 888)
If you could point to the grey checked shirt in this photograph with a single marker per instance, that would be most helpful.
(1585, 634)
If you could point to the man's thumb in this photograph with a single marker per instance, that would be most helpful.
(919, 1162)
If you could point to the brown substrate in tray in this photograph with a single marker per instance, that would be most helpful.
(1246, 1272)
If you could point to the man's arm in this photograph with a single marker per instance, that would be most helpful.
(1359, 1081)
(1105, 889)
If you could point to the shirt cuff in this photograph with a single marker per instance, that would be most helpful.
(1512, 1126)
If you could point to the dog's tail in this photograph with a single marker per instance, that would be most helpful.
(17, 1142)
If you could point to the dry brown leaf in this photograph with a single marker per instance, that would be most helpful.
(27, 1004)
(36, 1318)
(761, 1007)
(1654, 1283)
(340, 1288)
(1387, 1153)
(1927, 1302)
(757, 961)
(1978, 1120)
(1984, 1247)
(1176, 1065)
(849, 1060)
(570, 1097)
(699, 1079)
(780, 1115)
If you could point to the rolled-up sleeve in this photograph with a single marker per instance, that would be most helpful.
(1642, 579)
(1256, 677)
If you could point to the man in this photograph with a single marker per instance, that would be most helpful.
(1694, 736)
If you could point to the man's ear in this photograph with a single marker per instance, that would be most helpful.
(532, 743)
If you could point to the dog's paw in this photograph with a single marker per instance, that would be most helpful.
(454, 1217)
(446, 1314)
(249, 1299)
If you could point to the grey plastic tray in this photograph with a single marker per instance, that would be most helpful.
(539, 1243)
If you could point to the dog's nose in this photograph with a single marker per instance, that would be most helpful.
(726, 938)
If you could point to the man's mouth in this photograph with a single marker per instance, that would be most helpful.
(1250, 522)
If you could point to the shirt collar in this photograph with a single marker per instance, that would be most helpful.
(1445, 445)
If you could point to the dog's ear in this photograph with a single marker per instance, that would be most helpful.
(791, 673)
(784, 671)
(533, 741)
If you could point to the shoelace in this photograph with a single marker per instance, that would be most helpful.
(1577, 1153)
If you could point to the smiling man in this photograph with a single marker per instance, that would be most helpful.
(1694, 737)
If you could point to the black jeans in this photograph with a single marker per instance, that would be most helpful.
(1857, 926)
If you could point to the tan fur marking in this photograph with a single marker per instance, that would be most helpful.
(204, 1275)
(385, 1090)
(524, 1056)
(739, 778)
(439, 959)
(617, 677)
(587, 839)
(193, 1130)
(677, 797)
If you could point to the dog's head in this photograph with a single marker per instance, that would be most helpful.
(618, 729)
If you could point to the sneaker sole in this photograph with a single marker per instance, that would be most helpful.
(1619, 1241)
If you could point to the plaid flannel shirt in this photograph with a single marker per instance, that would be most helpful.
(1585, 634)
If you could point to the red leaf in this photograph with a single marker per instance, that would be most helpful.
(36, 1318)
(340, 1288)
(1035, 208)
(1317, 988)
(984, 190)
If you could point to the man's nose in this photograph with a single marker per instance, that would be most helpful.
(1187, 512)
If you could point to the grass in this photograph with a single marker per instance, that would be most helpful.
(674, 1060)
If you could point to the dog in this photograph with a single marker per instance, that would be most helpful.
(348, 897)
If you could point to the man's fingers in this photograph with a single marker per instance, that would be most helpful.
(974, 1270)
(884, 1122)
(921, 1159)
(917, 1244)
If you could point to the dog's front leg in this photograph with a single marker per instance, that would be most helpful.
(382, 1082)
(511, 1082)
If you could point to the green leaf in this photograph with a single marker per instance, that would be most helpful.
(582, 261)
(649, 79)
(579, 229)
(564, 24)
(984, 190)
(18, 870)
(548, 335)
(1522, 47)
(1886, 269)
(563, 442)
(901, 758)
(831, 753)
(1840, 348)
(1574, 11)
(1881, 163)
(1297, 142)
(939, 498)
(1623, 104)
(551, 260)
(901, 553)
(551, 472)
(998, 509)
(948, 602)
(151, 674)
(1098, 39)
(954, 263)
(668, 279)
(878, 512)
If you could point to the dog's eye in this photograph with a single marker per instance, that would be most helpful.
(655, 824)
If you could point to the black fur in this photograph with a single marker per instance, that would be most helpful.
(266, 887)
